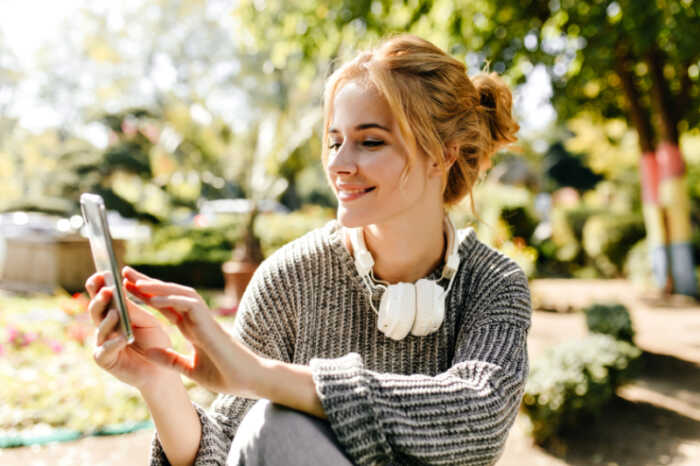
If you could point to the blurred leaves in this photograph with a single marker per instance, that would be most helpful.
(572, 382)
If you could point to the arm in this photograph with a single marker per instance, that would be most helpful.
(461, 416)
(176, 420)
(261, 330)
(216, 428)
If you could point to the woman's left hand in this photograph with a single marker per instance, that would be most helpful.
(219, 362)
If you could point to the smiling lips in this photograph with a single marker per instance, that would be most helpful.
(350, 193)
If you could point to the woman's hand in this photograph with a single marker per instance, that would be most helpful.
(218, 362)
(128, 363)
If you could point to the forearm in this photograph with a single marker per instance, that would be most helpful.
(290, 385)
(176, 420)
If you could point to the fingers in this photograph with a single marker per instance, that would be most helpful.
(133, 274)
(159, 288)
(170, 359)
(106, 354)
(94, 283)
(177, 303)
(135, 290)
(106, 326)
(98, 304)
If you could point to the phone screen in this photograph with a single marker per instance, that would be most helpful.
(97, 230)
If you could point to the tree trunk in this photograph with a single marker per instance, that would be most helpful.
(637, 113)
(654, 222)
(673, 194)
(245, 259)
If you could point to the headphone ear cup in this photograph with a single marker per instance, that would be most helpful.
(397, 310)
(430, 307)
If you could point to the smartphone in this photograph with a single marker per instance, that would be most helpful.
(94, 214)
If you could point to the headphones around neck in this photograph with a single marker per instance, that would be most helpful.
(418, 308)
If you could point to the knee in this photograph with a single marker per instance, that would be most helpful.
(266, 427)
(266, 420)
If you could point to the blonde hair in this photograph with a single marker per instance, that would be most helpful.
(436, 106)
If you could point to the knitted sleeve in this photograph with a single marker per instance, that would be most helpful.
(458, 417)
(265, 323)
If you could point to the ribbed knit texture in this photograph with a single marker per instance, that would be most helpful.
(446, 398)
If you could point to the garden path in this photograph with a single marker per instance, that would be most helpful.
(655, 421)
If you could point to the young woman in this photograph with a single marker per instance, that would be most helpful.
(384, 337)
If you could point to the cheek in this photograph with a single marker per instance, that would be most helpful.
(385, 168)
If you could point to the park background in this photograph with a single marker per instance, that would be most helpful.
(199, 123)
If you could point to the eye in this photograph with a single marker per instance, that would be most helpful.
(372, 143)
(333, 145)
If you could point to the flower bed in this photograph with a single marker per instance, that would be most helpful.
(50, 386)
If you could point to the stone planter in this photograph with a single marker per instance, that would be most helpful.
(44, 263)
(237, 275)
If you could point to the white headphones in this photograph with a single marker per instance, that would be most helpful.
(418, 308)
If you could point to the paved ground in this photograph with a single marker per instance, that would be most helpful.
(655, 421)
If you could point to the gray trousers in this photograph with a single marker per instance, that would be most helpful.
(272, 435)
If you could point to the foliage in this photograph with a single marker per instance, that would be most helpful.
(610, 319)
(610, 145)
(562, 168)
(47, 376)
(572, 382)
(176, 244)
(503, 213)
(175, 108)
(275, 230)
(576, 39)
(607, 238)
(181, 244)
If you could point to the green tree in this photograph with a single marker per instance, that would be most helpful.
(611, 58)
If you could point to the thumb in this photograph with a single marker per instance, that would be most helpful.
(170, 359)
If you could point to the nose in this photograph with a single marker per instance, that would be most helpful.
(342, 161)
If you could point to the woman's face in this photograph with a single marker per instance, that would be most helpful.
(366, 158)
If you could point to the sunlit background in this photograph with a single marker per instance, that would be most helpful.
(199, 124)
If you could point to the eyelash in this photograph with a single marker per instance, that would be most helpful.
(367, 143)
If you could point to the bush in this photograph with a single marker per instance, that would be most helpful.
(610, 319)
(193, 255)
(572, 382)
(177, 244)
(276, 230)
(607, 238)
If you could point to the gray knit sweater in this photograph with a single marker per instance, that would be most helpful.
(446, 398)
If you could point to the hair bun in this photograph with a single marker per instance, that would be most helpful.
(495, 104)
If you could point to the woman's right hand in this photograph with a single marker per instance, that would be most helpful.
(126, 362)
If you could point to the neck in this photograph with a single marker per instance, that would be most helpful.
(406, 253)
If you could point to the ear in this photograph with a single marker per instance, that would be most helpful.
(451, 153)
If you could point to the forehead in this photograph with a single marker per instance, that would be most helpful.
(358, 102)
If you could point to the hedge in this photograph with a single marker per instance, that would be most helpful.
(572, 382)
(610, 319)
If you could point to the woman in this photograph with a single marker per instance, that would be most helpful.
(436, 378)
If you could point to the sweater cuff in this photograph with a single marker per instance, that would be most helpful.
(212, 451)
(345, 390)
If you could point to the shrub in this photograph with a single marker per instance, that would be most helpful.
(276, 230)
(607, 238)
(178, 244)
(610, 319)
(572, 382)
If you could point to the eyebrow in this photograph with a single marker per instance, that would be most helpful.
(363, 126)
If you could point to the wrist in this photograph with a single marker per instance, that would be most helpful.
(264, 378)
(290, 385)
(158, 382)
